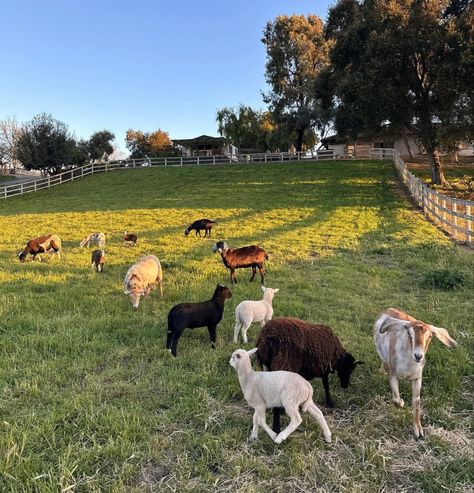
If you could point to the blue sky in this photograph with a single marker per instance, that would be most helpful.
(145, 64)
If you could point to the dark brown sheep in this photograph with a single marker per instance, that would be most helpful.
(238, 258)
(199, 225)
(311, 350)
(129, 238)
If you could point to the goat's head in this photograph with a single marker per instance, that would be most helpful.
(133, 288)
(22, 256)
(222, 292)
(240, 356)
(344, 367)
(186, 231)
(84, 241)
(419, 334)
(220, 246)
(269, 293)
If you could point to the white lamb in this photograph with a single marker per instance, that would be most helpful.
(263, 390)
(249, 312)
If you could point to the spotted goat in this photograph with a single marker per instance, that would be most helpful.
(43, 244)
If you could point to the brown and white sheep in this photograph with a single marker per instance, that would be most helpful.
(142, 277)
(47, 243)
(239, 258)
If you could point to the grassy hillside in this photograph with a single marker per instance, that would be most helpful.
(91, 400)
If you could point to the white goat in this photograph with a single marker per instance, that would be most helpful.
(402, 343)
(142, 277)
(248, 312)
(263, 390)
(97, 238)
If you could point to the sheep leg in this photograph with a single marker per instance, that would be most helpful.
(416, 403)
(397, 400)
(237, 327)
(174, 341)
(261, 269)
(329, 401)
(245, 327)
(295, 421)
(212, 335)
(254, 434)
(277, 413)
(316, 413)
(262, 421)
(254, 271)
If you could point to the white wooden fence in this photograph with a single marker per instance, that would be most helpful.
(455, 216)
(105, 167)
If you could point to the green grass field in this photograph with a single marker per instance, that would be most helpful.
(92, 401)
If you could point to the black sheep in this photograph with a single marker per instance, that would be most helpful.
(191, 315)
(199, 225)
(312, 350)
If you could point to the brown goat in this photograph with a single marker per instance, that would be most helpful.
(239, 258)
(129, 238)
(46, 243)
(98, 260)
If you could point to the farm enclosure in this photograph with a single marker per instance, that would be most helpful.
(91, 398)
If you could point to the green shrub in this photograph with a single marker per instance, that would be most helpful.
(444, 279)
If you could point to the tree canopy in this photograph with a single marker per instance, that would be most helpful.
(141, 144)
(297, 51)
(403, 63)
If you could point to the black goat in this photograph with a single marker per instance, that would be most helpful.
(98, 260)
(199, 225)
(191, 315)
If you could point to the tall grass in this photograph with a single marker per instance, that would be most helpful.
(91, 401)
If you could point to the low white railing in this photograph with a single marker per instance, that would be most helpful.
(36, 184)
(455, 216)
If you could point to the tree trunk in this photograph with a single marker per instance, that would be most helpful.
(299, 139)
(437, 173)
(407, 143)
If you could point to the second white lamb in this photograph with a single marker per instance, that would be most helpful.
(249, 312)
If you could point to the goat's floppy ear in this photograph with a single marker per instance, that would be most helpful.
(443, 336)
(393, 323)
(252, 352)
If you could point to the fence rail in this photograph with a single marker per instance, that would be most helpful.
(36, 184)
(455, 216)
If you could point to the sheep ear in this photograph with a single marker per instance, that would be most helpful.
(252, 352)
(276, 290)
(263, 288)
(443, 336)
(126, 292)
(393, 323)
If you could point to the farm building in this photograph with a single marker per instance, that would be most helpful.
(405, 144)
(205, 145)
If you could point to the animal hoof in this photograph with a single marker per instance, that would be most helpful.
(252, 438)
(278, 439)
(328, 439)
(399, 403)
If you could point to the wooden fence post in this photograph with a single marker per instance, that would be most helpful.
(469, 225)
(181, 160)
(49, 182)
(455, 219)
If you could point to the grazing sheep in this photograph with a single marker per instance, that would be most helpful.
(402, 343)
(42, 244)
(263, 390)
(98, 260)
(311, 350)
(192, 315)
(129, 239)
(199, 225)
(249, 312)
(97, 238)
(238, 258)
(142, 277)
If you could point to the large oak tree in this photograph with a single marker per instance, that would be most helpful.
(403, 63)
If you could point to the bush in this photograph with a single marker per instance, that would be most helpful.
(444, 279)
